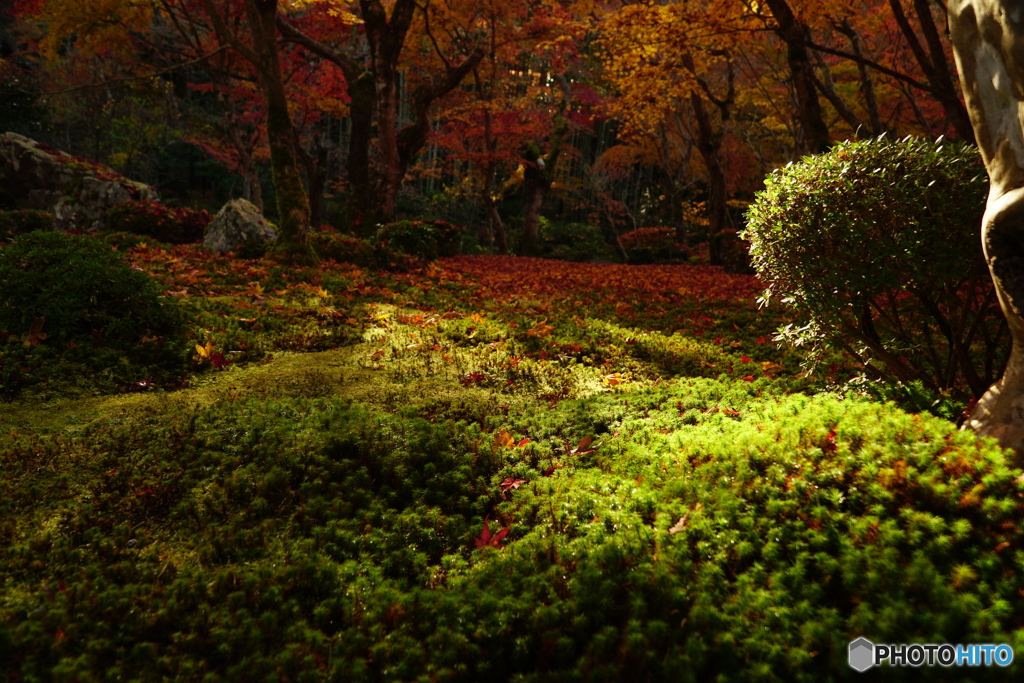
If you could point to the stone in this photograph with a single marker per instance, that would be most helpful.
(988, 44)
(76, 191)
(238, 221)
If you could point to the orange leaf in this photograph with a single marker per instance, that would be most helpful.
(614, 379)
(503, 439)
(540, 329)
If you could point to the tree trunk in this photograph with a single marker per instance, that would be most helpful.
(385, 36)
(364, 99)
(794, 34)
(293, 207)
(537, 176)
(708, 144)
(988, 42)
(933, 62)
(867, 84)
(495, 228)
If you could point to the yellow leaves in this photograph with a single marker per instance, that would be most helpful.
(321, 292)
(94, 27)
(203, 352)
(334, 8)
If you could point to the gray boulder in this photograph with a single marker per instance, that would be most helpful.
(237, 222)
(77, 192)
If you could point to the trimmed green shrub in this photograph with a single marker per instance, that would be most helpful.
(426, 239)
(152, 219)
(14, 223)
(73, 296)
(876, 243)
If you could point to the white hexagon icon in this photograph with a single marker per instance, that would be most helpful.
(862, 654)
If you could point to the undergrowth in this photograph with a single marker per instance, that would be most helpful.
(494, 469)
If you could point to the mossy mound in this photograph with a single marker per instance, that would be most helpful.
(70, 302)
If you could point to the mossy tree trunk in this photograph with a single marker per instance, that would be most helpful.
(292, 204)
(988, 43)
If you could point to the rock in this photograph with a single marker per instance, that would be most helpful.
(76, 191)
(239, 220)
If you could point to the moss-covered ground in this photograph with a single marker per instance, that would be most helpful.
(490, 469)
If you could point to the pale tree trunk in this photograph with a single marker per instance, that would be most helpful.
(988, 42)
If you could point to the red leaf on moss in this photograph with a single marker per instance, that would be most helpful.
(511, 484)
(218, 360)
(830, 442)
(488, 540)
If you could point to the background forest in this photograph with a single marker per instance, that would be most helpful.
(491, 115)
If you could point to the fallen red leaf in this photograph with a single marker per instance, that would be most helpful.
(511, 484)
(487, 540)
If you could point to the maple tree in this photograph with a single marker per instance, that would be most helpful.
(374, 92)
(682, 74)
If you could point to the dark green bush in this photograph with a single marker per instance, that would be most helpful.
(876, 243)
(426, 239)
(69, 295)
(14, 223)
(161, 222)
(573, 242)
(364, 253)
(652, 245)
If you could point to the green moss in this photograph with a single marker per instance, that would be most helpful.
(318, 515)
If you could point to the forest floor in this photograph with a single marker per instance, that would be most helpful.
(490, 468)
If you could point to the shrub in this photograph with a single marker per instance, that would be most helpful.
(72, 296)
(152, 219)
(652, 245)
(360, 252)
(14, 223)
(573, 241)
(876, 244)
(425, 239)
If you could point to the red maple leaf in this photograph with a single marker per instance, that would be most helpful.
(486, 540)
(218, 360)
